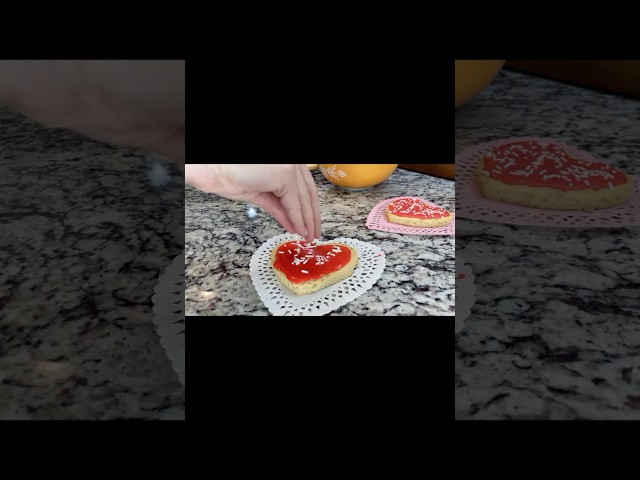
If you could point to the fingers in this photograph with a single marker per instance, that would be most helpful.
(289, 194)
(299, 199)
(272, 205)
(291, 203)
(315, 203)
(173, 146)
(305, 204)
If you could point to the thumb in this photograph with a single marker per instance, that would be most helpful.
(272, 205)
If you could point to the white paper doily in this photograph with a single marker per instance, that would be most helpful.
(465, 292)
(282, 302)
(168, 309)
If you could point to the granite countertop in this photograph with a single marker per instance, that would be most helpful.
(86, 231)
(221, 238)
(555, 332)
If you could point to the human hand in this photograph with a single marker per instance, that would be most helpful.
(287, 191)
(132, 103)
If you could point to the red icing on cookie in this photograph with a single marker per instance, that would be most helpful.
(540, 164)
(461, 276)
(303, 261)
(416, 208)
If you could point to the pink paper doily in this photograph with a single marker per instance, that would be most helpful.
(470, 203)
(377, 220)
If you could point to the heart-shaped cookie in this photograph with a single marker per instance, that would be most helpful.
(417, 213)
(306, 267)
(543, 174)
(547, 165)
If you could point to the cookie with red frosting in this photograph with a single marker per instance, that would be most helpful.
(544, 175)
(417, 213)
(306, 267)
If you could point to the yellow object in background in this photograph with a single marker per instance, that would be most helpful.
(473, 76)
(357, 176)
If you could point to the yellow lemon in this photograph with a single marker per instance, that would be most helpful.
(473, 76)
(356, 176)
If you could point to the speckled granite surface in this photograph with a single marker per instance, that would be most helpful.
(85, 235)
(221, 238)
(555, 332)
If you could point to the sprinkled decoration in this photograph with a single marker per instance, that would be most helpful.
(280, 301)
(310, 261)
(470, 203)
(377, 220)
(416, 208)
(545, 164)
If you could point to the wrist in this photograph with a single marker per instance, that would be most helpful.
(208, 178)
